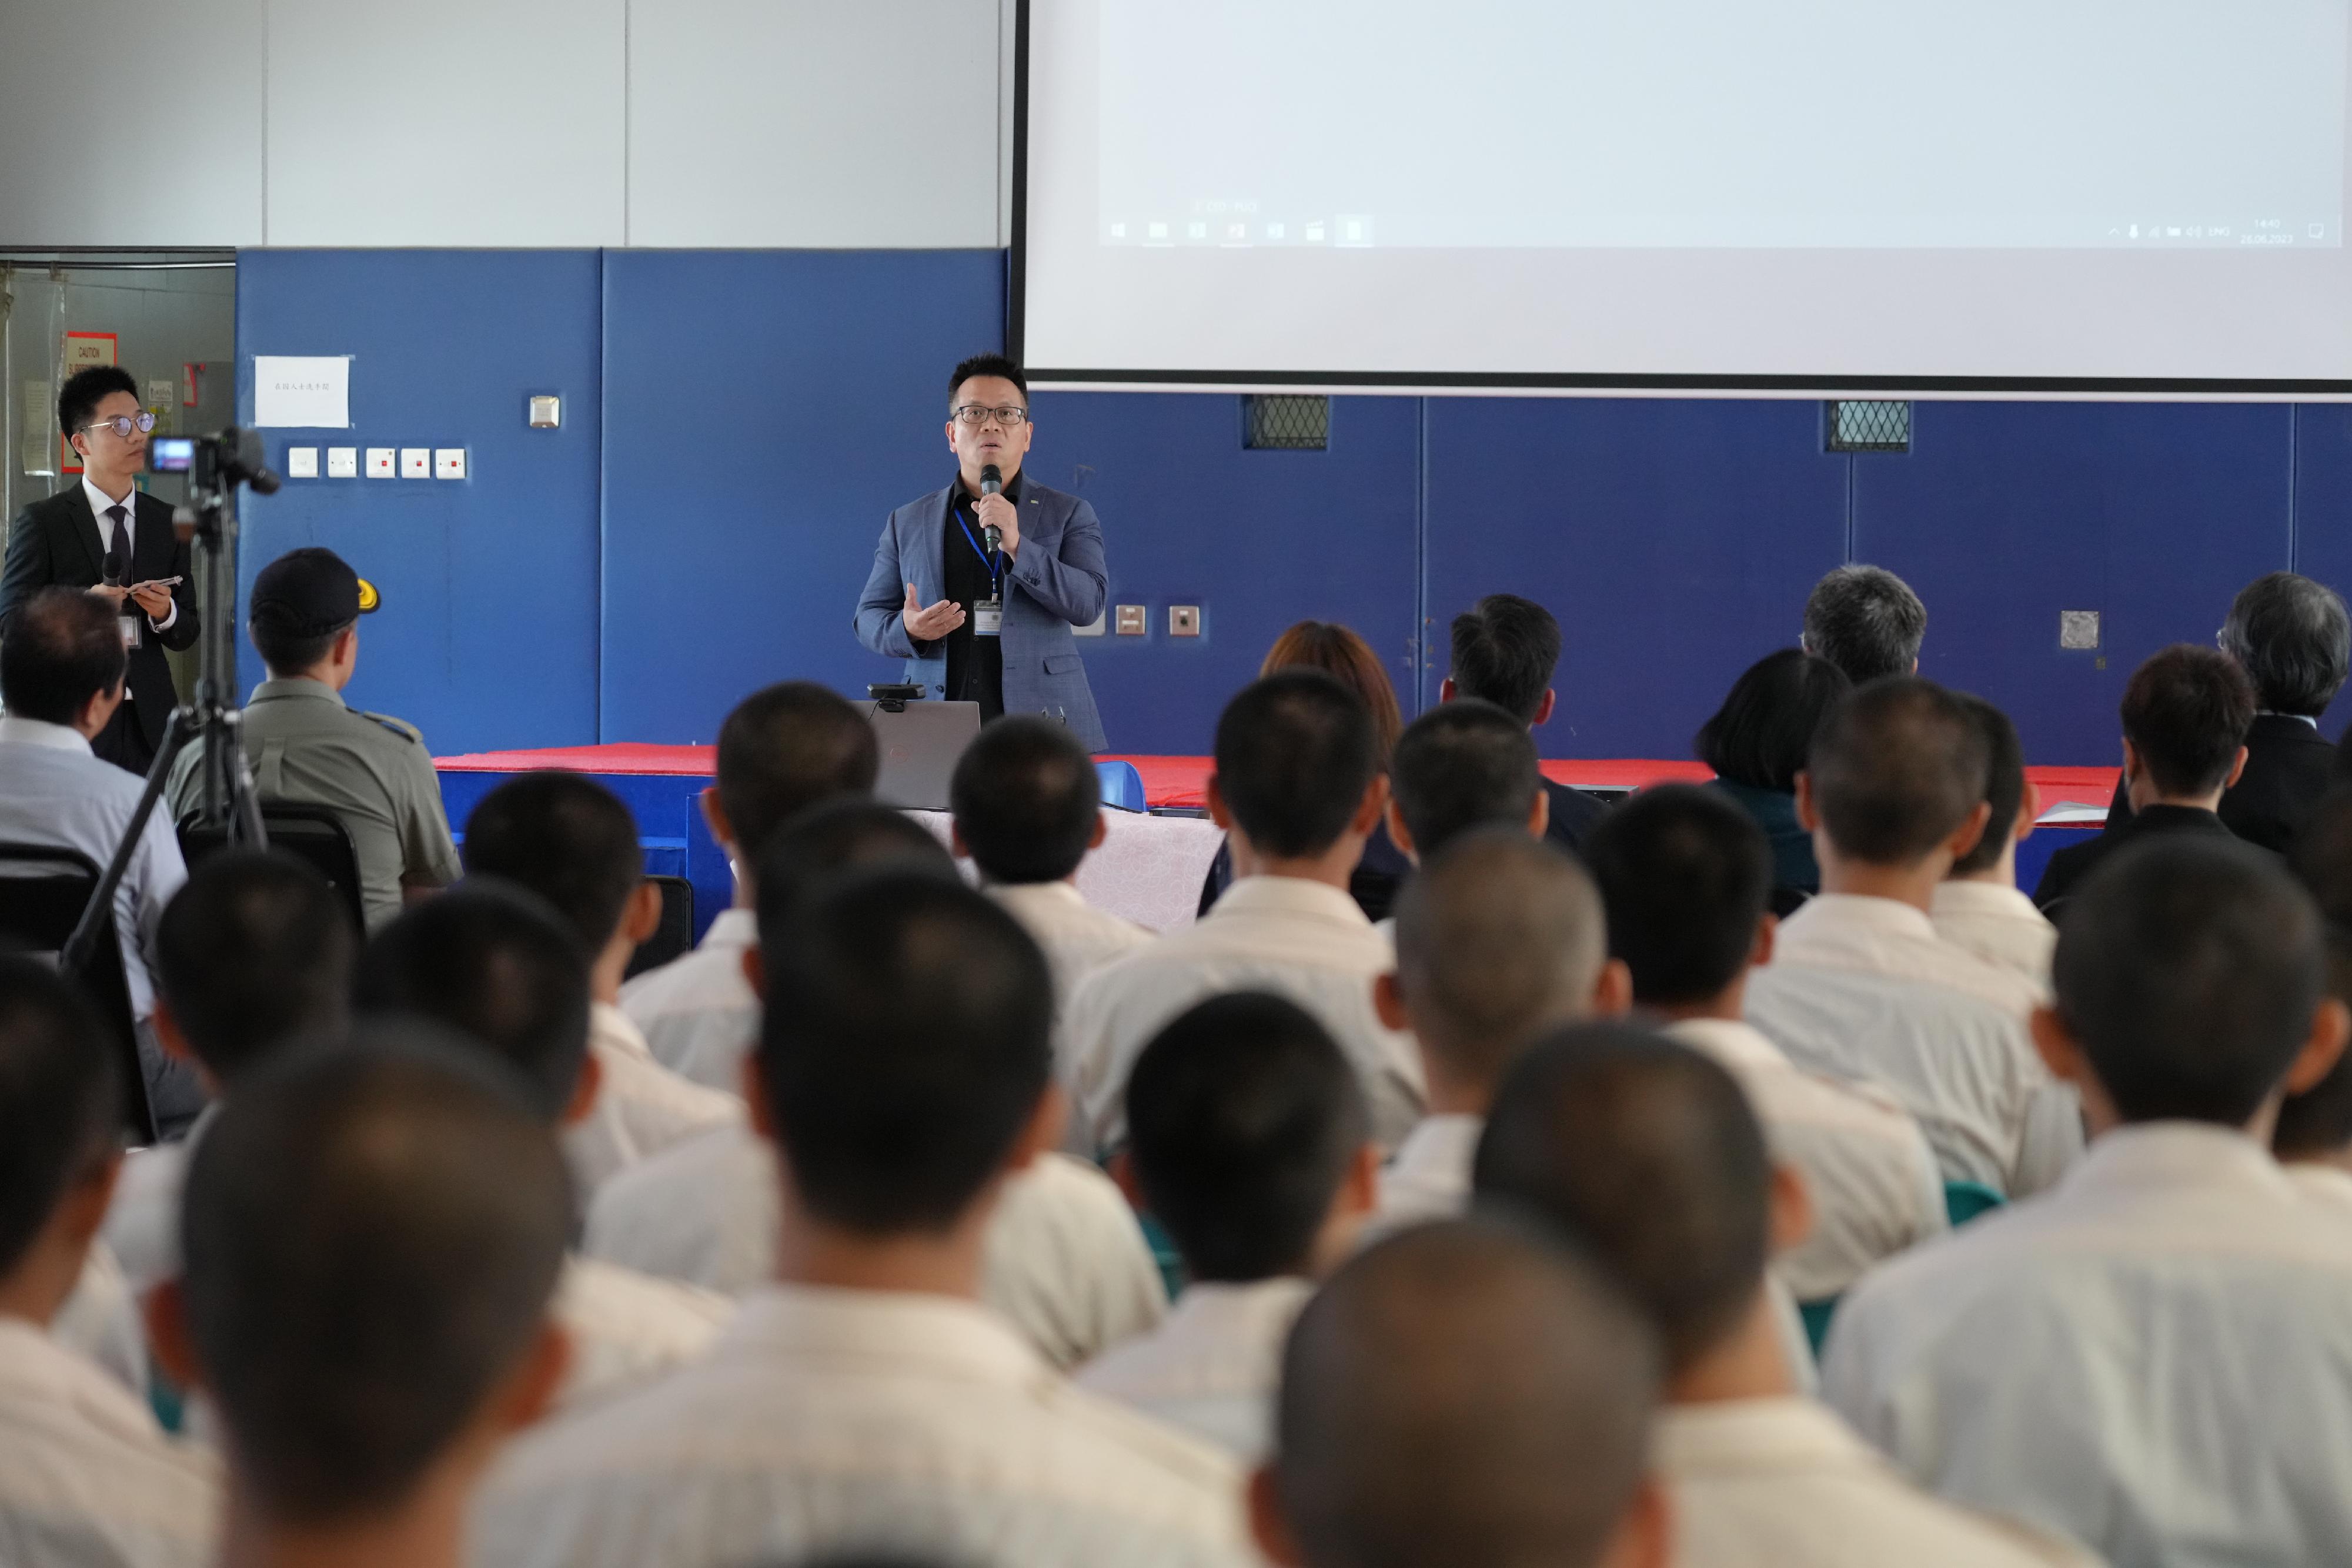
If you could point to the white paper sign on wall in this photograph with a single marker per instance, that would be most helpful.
(313, 392)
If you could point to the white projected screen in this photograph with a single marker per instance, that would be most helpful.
(1856, 193)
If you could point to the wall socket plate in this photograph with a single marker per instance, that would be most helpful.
(342, 462)
(301, 463)
(380, 462)
(546, 412)
(448, 462)
(1094, 628)
(416, 463)
(1131, 621)
(1183, 621)
(2078, 629)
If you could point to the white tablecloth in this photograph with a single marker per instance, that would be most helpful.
(1149, 869)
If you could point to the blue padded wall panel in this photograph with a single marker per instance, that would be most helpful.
(1260, 540)
(1673, 540)
(764, 412)
(2323, 514)
(487, 635)
(2004, 514)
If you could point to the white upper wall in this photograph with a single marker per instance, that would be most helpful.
(751, 124)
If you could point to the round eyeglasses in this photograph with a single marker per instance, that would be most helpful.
(973, 414)
(122, 425)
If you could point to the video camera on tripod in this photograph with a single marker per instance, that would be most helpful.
(215, 466)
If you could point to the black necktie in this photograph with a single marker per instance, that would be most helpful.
(122, 545)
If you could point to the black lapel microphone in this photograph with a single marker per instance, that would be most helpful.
(992, 481)
(113, 567)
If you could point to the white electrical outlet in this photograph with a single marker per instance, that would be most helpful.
(416, 463)
(301, 463)
(342, 462)
(380, 461)
(448, 462)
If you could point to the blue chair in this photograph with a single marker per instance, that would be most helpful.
(1966, 1200)
(1122, 786)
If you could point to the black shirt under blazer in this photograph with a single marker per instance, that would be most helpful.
(2070, 867)
(2289, 766)
(54, 542)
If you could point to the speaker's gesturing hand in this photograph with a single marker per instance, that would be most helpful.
(930, 625)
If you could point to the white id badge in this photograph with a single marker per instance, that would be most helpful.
(132, 634)
(988, 617)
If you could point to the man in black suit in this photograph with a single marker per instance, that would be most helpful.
(1505, 649)
(72, 539)
(2186, 715)
(2293, 638)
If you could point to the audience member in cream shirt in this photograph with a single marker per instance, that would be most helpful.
(1649, 1152)
(1860, 987)
(866, 1401)
(1246, 1140)
(1686, 875)
(87, 1479)
(1500, 938)
(2155, 1357)
(783, 749)
(1297, 788)
(1977, 907)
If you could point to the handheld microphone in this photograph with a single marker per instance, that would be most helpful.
(992, 482)
(113, 567)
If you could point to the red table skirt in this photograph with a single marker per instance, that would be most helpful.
(1183, 781)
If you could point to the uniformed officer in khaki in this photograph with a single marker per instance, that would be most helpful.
(306, 748)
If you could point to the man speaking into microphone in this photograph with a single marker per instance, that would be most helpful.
(977, 586)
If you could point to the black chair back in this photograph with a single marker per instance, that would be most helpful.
(312, 833)
(43, 891)
(674, 938)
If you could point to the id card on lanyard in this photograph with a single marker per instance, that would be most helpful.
(987, 614)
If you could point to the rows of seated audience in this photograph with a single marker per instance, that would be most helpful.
(1739, 1176)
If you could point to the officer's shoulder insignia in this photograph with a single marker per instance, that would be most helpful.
(400, 727)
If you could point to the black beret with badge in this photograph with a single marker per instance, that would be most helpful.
(310, 593)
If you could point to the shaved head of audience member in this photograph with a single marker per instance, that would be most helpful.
(2191, 985)
(1462, 765)
(1499, 938)
(1686, 877)
(912, 1068)
(253, 953)
(1248, 1140)
(1895, 780)
(571, 840)
(784, 748)
(2010, 798)
(1648, 1153)
(1027, 801)
(1867, 621)
(374, 1233)
(61, 1136)
(1298, 773)
(496, 965)
(841, 836)
(1464, 1393)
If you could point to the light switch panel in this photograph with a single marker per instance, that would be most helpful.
(1131, 621)
(416, 463)
(380, 462)
(2078, 629)
(1183, 621)
(546, 412)
(342, 462)
(1094, 628)
(448, 462)
(301, 463)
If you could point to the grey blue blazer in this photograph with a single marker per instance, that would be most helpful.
(1056, 583)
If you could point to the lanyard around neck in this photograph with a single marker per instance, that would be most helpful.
(988, 559)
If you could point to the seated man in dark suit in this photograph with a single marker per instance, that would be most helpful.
(2185, 713)
(1505, 649)
(2294, 639)
(106, 536)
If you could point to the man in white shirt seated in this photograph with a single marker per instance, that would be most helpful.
(1027, 807)
(1464, 764)
(867, 1401)
(1298, 789)
(1246, 1140)
(1064, 1259)
(569, 840)
(86, 1478)
(1499, 939)
(1465, 1392)
(61, 670)
(2313, 1136)
(372, 1234)
(1686, 876)
(252, 957)
(784, 748)
(1977, 906)
(494, 965)
(2154, 1358)
(1861, 988)
(1648, 1154)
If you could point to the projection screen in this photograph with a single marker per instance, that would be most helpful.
(2093, 196)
